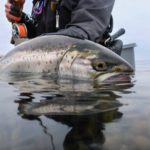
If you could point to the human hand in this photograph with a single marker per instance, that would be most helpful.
(13, 10)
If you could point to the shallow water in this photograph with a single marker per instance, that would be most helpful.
(116, 127)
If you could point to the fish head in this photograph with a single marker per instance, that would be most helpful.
(103, 65)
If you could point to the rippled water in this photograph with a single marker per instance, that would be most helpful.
(122, 123)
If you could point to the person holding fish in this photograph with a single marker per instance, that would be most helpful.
(63, 55)
(85, 19)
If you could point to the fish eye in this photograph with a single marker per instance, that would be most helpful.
(99, 65)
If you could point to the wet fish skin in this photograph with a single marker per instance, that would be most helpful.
(69, 57)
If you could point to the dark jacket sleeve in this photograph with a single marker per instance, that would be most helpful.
(89, 19)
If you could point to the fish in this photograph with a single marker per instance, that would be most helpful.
(67, 108)
(66, 57)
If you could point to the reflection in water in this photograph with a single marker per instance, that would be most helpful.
(85, 129)
(44, 128)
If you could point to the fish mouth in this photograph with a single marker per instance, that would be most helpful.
(110, 78)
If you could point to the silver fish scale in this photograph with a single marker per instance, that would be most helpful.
(29, 61)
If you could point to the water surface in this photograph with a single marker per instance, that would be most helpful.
(126, 126)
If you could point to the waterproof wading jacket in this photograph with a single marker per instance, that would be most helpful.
(77, 18)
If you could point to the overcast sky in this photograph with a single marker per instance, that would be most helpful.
(133, 15)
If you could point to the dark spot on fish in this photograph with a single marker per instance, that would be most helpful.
(38, 63)
(28, 66)
(61, 68)
(72, 57)
(43, 71)
(50, 61)
(11, 83)
(60, 44)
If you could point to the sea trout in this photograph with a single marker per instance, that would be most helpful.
(68, 57)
